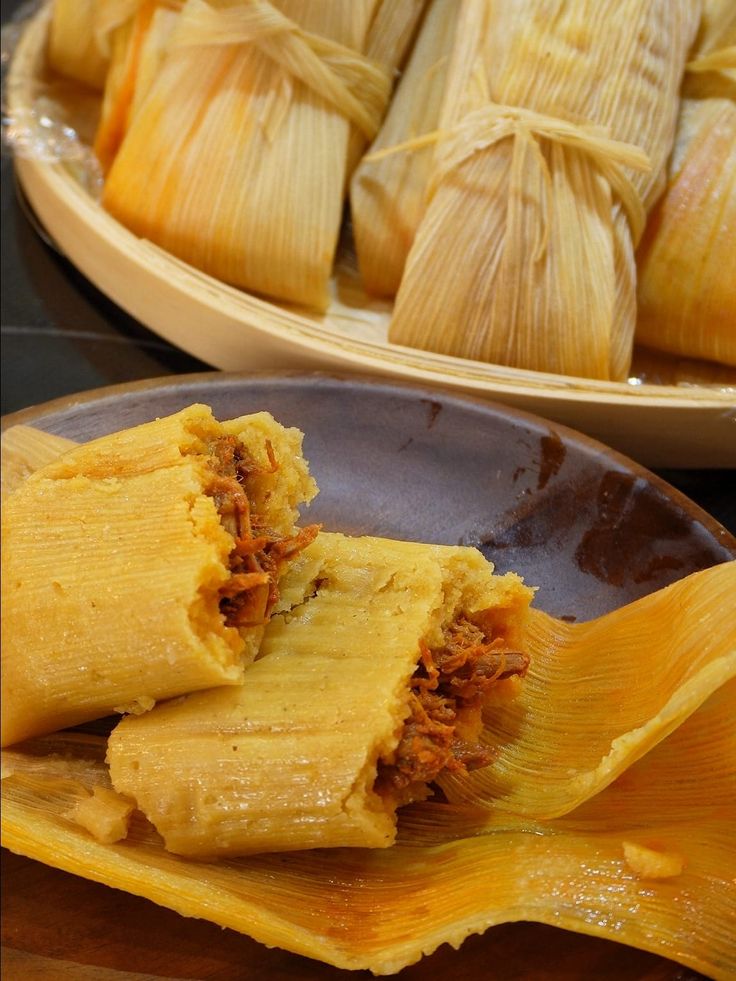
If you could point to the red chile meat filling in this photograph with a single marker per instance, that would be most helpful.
(248, 597)
(447, 693)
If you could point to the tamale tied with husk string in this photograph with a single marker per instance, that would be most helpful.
(387, 196)
(556, 126)
(687, 257)
(236, 159)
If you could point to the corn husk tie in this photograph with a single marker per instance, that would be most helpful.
(356, 86)
(722, 60)
(486, 126)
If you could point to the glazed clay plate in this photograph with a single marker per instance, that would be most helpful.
(590, 528)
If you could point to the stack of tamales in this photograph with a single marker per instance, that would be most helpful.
(687, 258)
(556, 126)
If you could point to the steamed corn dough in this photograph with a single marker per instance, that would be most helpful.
(310, 751)
(554, 134)
(121, 580)
(472, 867)
(236, 160)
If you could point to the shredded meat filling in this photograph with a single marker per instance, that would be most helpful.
(250, 594)
(449, 685)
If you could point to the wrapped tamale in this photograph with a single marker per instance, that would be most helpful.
(555, 130)
(137, 49)
(370, 683)
(145, 564)
(687, 257)
(79, 36)
(236, 160)
(387, 195)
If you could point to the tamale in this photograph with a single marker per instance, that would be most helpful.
(556, 126)
(687, 257)
(144, 565)
(369, 684)
(387, 195)
(79, 37)
(357, 908)
(236, 160)
(137, 48)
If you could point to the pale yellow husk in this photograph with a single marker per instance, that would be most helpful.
(387, 195)
(687, 259)
(112, 559)
(25, 449)
(137, 49)
(236, 159)
(469, 868)
(74, 47)
(681, 639)
(557, 123)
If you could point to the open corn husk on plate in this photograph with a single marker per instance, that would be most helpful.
(641, 827)
(675, 413)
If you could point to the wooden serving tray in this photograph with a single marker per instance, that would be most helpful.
(688, 422)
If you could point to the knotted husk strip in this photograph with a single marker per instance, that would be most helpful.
(682, 639)
(237, 165)
(687, 259)
(24, 450)
(387, 196)
(113, 560)
(525, 253)
(355, 908)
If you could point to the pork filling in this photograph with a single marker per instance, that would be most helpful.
(259, 553)
(448, 688)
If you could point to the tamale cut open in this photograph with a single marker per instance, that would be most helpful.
(145, 564)
(371, 680)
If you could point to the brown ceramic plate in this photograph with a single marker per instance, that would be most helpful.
(592, 529)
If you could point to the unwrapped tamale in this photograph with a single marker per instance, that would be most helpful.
(555, 130)
(145, 564)
(370, 683)
(687, 257)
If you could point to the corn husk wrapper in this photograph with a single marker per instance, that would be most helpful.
(236, 160)
(137, 49)
(624, 718)
(24, 450)
(113, 560)
(80, 36)
(687, 258)
(387, 196)
(625, 865)
(289, 760)
(556, 127)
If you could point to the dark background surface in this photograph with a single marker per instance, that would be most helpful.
(61, 336)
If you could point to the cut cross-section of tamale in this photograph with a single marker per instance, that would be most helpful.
(387, 195)
(236, 160)
(144, 565)
(687, 257)
(554, 134)
(370, 682)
